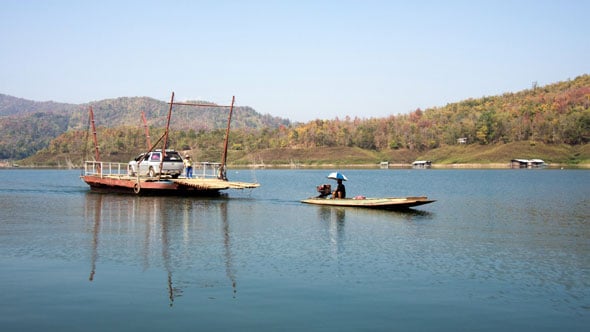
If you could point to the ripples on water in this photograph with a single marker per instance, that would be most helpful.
(499, 249)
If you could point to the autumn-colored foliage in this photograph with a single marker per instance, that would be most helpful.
(554, 114)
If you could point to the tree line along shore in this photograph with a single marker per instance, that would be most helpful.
(473, 156)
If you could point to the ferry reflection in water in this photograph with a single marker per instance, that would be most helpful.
(169, 232)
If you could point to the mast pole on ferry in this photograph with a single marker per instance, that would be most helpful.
(96, 150)
(166, 133)
(222, 174)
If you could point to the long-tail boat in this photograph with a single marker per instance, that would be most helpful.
(385, 203)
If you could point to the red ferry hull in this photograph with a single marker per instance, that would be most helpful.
(130, 186)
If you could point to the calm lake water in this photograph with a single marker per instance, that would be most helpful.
(499, 250)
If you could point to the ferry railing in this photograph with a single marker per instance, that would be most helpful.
(208, 170)
(102, 169)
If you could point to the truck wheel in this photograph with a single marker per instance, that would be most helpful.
(151, 172)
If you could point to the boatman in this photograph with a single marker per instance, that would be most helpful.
(340, 191)
(188, 164)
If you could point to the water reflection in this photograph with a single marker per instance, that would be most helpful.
(334, 218)
(124, 227)
(158, 214)
(95, 233)
(229, 270)
(339, 213)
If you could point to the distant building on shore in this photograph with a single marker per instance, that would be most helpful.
(527, 163)
(422, 164)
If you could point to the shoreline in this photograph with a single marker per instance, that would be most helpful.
(340, 166)
(408, 166)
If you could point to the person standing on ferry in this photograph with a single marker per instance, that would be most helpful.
(188, 164)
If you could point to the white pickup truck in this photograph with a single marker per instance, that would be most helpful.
(150, 164)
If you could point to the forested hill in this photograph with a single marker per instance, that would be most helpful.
(28, 126)
(555, 114)
(126, 111)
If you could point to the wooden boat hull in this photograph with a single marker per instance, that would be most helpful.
(388, 203)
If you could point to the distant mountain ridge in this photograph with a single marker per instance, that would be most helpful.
(126, 111)
(10, 105)
(27, 126)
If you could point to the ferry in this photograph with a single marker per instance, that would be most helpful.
(123, 178)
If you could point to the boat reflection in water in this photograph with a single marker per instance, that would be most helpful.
(171, 233)
(334, 219)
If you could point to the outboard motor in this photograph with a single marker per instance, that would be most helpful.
(324, 190)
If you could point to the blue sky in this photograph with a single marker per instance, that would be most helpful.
(301, 60)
